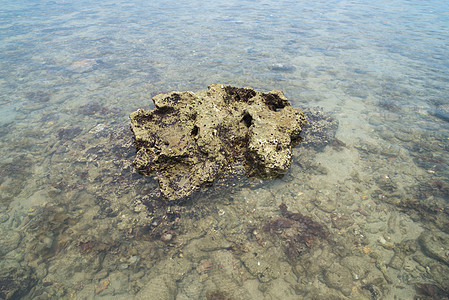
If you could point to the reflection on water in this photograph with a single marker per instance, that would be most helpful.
(77, 220)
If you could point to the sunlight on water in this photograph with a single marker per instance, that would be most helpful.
(78, 221)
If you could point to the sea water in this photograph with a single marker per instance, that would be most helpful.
(72, 206)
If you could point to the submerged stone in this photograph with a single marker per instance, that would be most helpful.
(282, 67)
(191, 139)
(434, 245)
(320, 130)
(442, 112)
(15, 280)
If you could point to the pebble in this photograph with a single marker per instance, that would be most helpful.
(133, 259)
(166, 237)
(385, 244)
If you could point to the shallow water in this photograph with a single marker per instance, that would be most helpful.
(77, 221)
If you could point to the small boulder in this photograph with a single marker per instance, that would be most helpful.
(191, 139)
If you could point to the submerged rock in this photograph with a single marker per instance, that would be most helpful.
(15, 280)
(191, 139)
(434, 245)
(339, 278)
(38, 96)
(320, 130)
(282, 67)
(442, 112)
(83, 65)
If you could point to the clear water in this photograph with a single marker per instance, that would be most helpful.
(70, 212)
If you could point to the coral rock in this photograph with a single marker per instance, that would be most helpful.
(191, 139)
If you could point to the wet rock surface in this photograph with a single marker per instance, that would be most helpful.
(191, 139)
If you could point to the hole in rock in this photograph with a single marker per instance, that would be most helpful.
(247, 119)
(195, 130)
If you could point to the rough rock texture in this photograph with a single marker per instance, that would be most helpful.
(190, 139)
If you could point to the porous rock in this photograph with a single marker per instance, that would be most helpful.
(191, 139)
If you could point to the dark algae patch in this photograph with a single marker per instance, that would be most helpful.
(298, 231)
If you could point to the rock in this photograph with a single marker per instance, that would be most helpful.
(361, 267)
(436, 271)
(166, 237)
(320, 130)
(430, 291)
(339, 278)
(68, 133)
(434, 245)
(15, 280)
(9, 240)
(279, 67)
(262, 264)
(83, 65)
(4, 217)
(191, 139)
(38, 96)
(159, 287)
(441, 111)
(401, 251)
